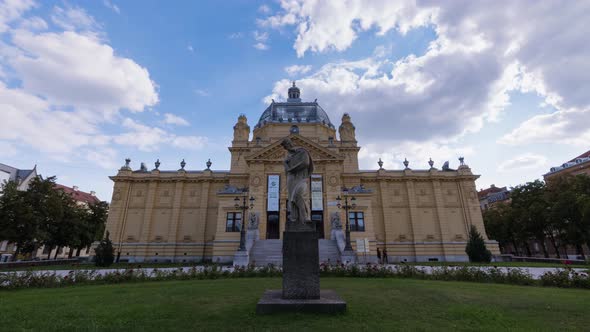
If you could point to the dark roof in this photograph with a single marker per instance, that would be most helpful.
(294, 112)
(491, 190)
(23, 173)
(77, 195)
(583, 155)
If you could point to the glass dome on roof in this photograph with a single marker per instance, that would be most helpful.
(294, 111)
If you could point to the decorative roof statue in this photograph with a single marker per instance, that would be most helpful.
(346, 129)
(182, 164)
(431, 163)
(445, 167)
(209, 163)
(126, 166)
(462, 160)
(142, 167)
(157, 164)
(406, 163)
(380, 163)
(241, 129)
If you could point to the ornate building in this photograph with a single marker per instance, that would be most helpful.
(188, 215)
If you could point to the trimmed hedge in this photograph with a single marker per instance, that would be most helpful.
(559, 278)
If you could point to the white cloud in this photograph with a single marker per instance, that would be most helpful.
(480, 54)
(261, 38)
(526, 161)
(73, 19)
(175, 120)
(148, 139)
(190, 48)
(561, 127)
(261, 46)
(79, 70)
(7, 149)
(33, 23)
(264, 9)
(12, 10)
(111, 6)
(202, 92)
(69, 84)
(236, 35)
(297, 69)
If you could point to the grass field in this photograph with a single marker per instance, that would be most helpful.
(229, 304)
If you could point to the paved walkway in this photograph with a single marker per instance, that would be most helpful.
(536, 272)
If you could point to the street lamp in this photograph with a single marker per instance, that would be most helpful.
(244, 207)
(346, 207)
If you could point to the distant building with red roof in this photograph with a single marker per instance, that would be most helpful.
(576, 166)
(79, 196)
(491, 196)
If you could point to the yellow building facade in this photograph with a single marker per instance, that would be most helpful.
(187, 215)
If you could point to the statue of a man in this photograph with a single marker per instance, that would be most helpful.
(298, 166)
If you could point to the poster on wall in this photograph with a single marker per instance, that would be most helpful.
(317, 203)
(273, 193)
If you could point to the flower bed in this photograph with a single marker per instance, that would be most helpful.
(558, 278)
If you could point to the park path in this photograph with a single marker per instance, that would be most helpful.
(536, 272)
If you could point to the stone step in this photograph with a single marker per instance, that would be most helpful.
(266, 252)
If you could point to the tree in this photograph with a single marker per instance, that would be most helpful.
(531, 213)
(569, 198)
(499, 225)
(93, 225)
(17, 221)
(476, 247)
(104, 252)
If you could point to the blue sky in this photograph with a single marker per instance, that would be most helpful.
(85, 84)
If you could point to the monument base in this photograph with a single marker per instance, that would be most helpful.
(272, 301)
(301, 264)
(348, 257)
(241, 258)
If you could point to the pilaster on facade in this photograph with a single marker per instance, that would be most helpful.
(148, 211)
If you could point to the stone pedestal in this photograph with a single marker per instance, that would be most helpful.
(241, 258)
(328, 303)
(338, 235)
(301, 265)
(348, 257)
(252, 235)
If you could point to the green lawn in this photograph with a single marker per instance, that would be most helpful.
(229, 304)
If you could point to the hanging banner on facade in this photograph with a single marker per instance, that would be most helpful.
(317, 203)
(273, 193)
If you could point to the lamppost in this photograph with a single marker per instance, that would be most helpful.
(346, 207)
(244, 207)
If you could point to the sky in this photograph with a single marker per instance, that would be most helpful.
(86, 84)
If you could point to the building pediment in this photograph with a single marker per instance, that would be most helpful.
(275, 152)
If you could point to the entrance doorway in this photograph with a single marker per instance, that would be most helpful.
(317, 217)
(272, 225)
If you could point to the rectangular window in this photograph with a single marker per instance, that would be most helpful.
(233, 222)
(357, 221)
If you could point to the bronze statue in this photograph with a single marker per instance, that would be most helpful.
(298, 166)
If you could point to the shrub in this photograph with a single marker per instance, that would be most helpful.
(476, 247)
(104, 252)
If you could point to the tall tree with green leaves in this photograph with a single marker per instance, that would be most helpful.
(17, 219)
(531, 213)
(476, 247)
(105, 253)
